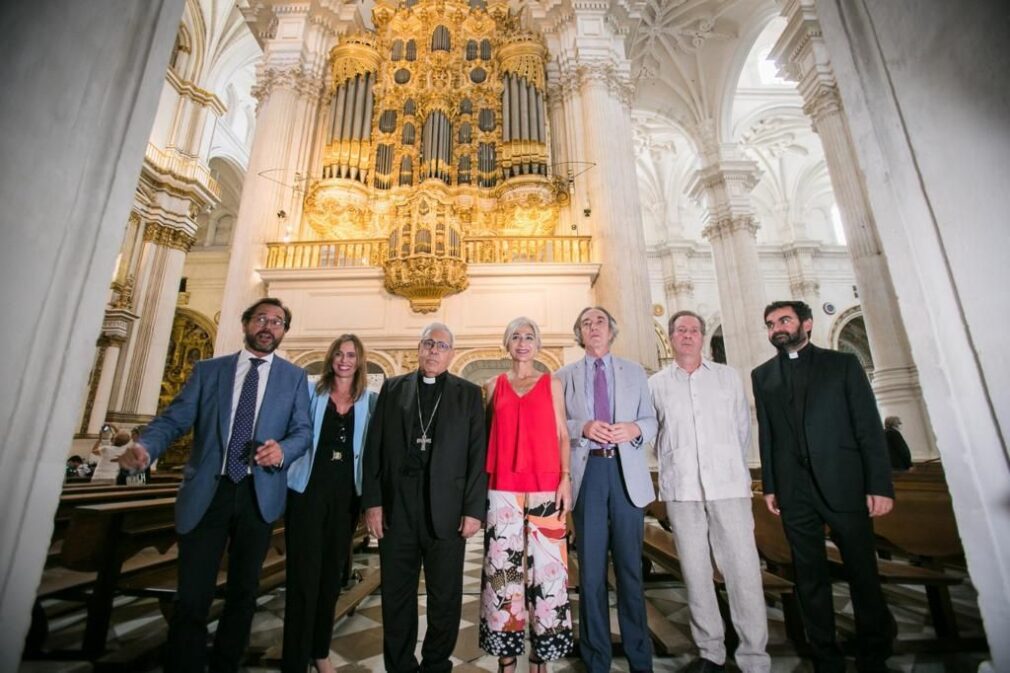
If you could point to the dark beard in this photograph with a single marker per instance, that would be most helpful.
(250, 342)
(795, 341)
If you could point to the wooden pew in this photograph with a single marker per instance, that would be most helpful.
(77, 498)
(101, 539)
(774, 548)
(660, 548)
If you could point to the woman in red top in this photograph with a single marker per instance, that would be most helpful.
(525, 576)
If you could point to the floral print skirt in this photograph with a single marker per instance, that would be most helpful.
(525, 577)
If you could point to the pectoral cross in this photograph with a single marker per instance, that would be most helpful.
(423, 441)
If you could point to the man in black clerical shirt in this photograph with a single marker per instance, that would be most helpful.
(423, 491)
(824, 461)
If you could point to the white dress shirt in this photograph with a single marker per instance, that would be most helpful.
(241, 369)
(704, 433)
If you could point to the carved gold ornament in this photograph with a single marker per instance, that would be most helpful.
(434, 133)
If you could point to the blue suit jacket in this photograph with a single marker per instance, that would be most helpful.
(300, 470)
(205, 405)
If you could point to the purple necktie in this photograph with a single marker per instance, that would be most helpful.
(242, 426)
(601, 396)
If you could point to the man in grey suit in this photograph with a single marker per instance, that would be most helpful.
(610, 419)
(249, 413)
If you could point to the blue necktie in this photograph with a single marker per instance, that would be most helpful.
(242, 427)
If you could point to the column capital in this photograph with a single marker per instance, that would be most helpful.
(679, 287)
(802, 57)
(295, 77)
(725, 185)
(613, 78)
(168, 237)
(725, 227)
(804, 287)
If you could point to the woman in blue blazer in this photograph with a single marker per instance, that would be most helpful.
(324, 489)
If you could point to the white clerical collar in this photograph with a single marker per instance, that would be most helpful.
(428, 379)
(793, 355)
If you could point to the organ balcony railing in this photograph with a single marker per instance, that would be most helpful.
(373, 252)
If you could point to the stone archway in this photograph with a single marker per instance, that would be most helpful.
(849, 336)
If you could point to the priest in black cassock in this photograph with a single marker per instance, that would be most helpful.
(423, 491)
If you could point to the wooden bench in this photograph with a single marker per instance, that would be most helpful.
(660, 547)
(102, 539)
(774, 548)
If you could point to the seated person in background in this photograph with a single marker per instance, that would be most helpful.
(108, 462)
(76, 467)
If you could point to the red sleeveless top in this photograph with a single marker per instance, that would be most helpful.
(522, 451)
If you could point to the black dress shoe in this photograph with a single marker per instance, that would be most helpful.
(703, 665)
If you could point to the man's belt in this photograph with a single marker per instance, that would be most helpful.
(603, 453)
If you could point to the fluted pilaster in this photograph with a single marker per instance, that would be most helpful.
(115, 329)
(803, 57)
(162, 255)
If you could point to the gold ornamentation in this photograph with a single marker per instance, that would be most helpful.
(354, 55)
(168, 237)
(436, 172)
(658, 310)
(192, 340)
(425, 255)
(122, 294)
(524, 56)
(362, 253)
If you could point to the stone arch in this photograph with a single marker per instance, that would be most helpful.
(848, 334)
(546, 361)
(383, 361)
(664, 351)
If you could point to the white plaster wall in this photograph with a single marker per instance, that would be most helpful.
(81, 85)
(326, 303)
(925, 89)
(205, 272)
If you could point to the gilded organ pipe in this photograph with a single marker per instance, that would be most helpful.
(436, 132)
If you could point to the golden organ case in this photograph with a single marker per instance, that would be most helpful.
(435, 145)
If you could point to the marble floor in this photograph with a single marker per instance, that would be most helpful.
(357, 639)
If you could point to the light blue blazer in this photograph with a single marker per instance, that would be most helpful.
(300, 470)
(205, 406)
(633, 402)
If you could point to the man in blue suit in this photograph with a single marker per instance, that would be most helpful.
(249, 413)
(610, 420)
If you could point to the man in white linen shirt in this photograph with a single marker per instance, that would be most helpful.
(704, 434)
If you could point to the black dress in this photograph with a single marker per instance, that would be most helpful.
(319, 524)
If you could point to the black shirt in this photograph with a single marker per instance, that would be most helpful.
(796, 374)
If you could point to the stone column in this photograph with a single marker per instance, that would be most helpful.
(615, 210)
(725, 182)
(803, 57)
(589, 88)
(678, 285)
(803, 282)
(81, 90)
(289, 86)
(114, 332)
(162, 257)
